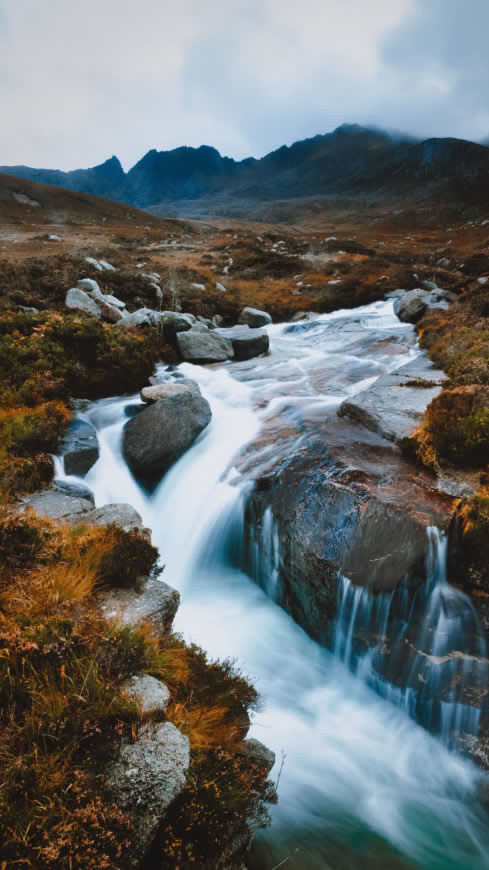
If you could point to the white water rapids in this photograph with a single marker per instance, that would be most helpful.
(362, 785)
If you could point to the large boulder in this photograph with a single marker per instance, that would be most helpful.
(78, 300)
(202, 345)
(411, 306)
(145, 779)
(89, 284)
(254, 318)
(173, 322)
(79, 448)
(395, 405)
(156, 437)
(247, 343)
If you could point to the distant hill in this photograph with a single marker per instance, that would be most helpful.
(27, 202)
(352, 162)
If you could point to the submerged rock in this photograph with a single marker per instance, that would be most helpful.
(247, 343)
(254, 318)
(145, 779)
(155, 438)
(79, 448)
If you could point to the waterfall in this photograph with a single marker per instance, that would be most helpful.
(363, 787)
(423, 651)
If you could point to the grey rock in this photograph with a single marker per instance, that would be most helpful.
(173, 322)
(301, 315)
(411, 306)
(150, 694)
(57, 505)
(78, 300)
(75, 490)
(217, 320)
(113, 300)
(149, 395)
(259, 754)
(109, 312)
(145, 779)
(28, 309)
(89, 284)
(95, 263)
(394, 406)
(121, 515)
(156, 602)
(107, 266)
(247, 343)
(254, 318)
(79, 448)
(156, 437)
(143, 318)
(201, 345)
(205, 321)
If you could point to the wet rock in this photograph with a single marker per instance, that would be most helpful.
(78, 300)
(217, 320)
(155, 602)
(301, 315)
(150, 694)
(79, 448)
(254, 318)
(411, 306)
(202, 345)
(247, 343)
(154, 439)
(347, 503)
(259, 754)
(121, 515)
(75, 490)
(205, 320)
(149, 395)
(394, 406)
(145, 779)
(57, 505)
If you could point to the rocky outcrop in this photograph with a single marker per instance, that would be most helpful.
(145, 779)
(173, 322)
(121, 515)
(156, 437)
(57, 505)
(155, 601)
(347, 503)
(247, 343)
(79, 448)
(259, 754)
(78, 300)
(143, 318)
(202, 345)
(395, 405)
(254, 318)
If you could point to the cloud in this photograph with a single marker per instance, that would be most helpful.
(79, 82)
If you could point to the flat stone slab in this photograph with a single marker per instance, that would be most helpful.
(395, 405)
(57, 505)
(124, 516)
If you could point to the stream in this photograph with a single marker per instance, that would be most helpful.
(361, 784)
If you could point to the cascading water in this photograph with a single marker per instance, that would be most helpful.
(425, 652)
(363, 786)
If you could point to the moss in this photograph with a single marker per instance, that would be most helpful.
(458, 423)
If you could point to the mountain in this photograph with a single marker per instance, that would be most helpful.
(107, 179)
(352, 162)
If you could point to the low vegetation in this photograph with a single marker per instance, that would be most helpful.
(63, 713)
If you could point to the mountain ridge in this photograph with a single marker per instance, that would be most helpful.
(351, 161)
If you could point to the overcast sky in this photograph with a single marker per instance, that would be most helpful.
(80, 81)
